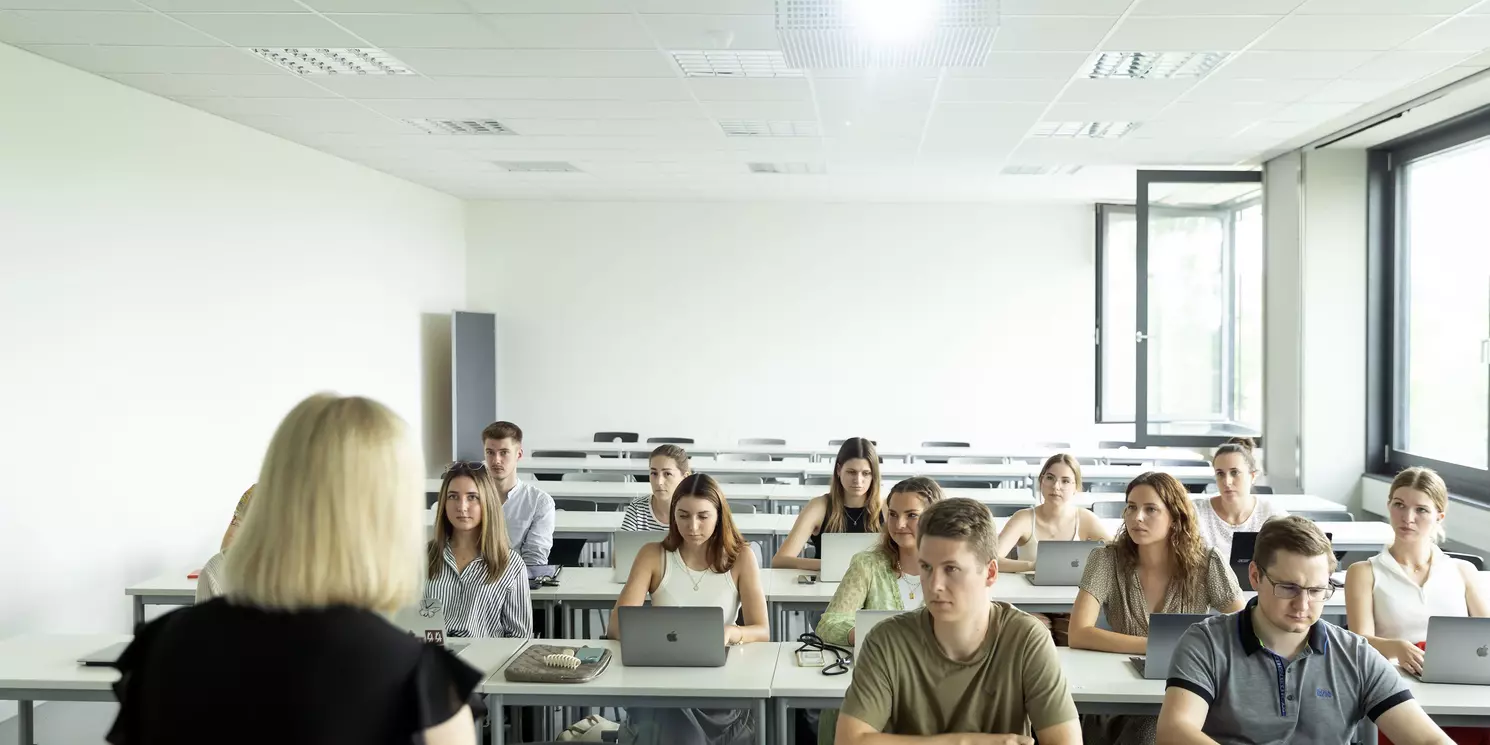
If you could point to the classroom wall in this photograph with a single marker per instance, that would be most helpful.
(1283, 244)
(172, 284)
(801, 321)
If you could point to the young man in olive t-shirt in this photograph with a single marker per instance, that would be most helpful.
(962, 670)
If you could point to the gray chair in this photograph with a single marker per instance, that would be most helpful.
(1004, 510)
(669, 440)
(1260, 489)
(1054, 445)
(1475, 560)
(1114, 445)
(1321, 516)
(617, 437)
(946, 444)
(556, 454)
(761, 441)
(597, 477)
(1109, 508)
(839, 443)
(818, 481)
(732, 479)
(742, 458)
(575, 505)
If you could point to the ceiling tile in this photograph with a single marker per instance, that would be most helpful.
(307, 108)
(750, 89)
(1225, 90)
(1213, 33)
(1085, 90)
(984, 117)
(1466, 33)
(1315, 113)
(615, 127)
(393, 6)
(440, 108)
(1050, 33)
(143, 28)
(223, 86)
(996, 89)
(570, 31)
(534, 63)
(713, 31)
(1213, 7)
(123, 59)
(1113, 111)
(1297, 65)
(1218, 112)
(790, 111)
(271, 29)
(440, 31)
(1384, 7)
(1315, 33)
(882, 89)
(1054, 65)
(1189, 129)
(127, 5)
(1405, 66)
(725, 7)
(240, 6)
(1353, 91)
(1063, 7)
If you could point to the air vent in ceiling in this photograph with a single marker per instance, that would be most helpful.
(729, 63)
(326, 61)
(1083, 130)
(795, 169)
(1040, 170)
(462, 126)
(1154, 65)
(537, 166)
(763, 128)
(886, 33)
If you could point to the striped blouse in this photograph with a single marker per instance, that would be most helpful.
(639, 516)
(474, 607)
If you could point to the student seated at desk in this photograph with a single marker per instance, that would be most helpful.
(961, 664)
(1250, 677)
(527, 510)
(209, 580)
(473, 572)
(300, 651)
(852, 505)
(1235, 508)
(1157, 564)
(667, 466)
(886, 577)
(702, 562)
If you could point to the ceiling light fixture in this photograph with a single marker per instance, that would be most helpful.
(795, 169)
(328, 61)
(1154, 65)
(1040, 170)
(728, 63)
(859, 34)
(537, 166)
(892, 21)
(763, 128)
(1083, 130)
(461, 126)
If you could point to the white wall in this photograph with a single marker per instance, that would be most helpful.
(719, 321)
(171, 284)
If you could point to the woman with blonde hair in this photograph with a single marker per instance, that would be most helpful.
(852, 505)
(300, 649)
(473, 572)
(210, 581)
(1156, 564)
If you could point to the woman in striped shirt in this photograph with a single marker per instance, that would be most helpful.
(473, 571)
(668, 465)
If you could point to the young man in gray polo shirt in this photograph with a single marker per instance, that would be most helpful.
(1252, 676)
(528, 510)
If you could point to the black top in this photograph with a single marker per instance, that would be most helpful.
(230, 674)
(853, 522)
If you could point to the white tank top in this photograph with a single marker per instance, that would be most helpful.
(684, 587)
(1031, 548)
(1402, 609)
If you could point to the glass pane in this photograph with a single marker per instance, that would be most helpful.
(1119, 316)
(1446, 258)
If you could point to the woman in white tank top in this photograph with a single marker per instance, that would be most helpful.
(1235, 509)
(1390, 598)
(703, 562)
(1056, 518)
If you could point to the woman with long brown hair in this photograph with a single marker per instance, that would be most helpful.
(852, 505)
(473, 571)
(1156, 564)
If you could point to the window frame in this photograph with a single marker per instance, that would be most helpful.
(1103, 212)
(1386, 338)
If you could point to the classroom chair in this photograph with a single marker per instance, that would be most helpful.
(616, 437)
(1326, 517)
(556, 454)
(576, 505)
(597, 477)
(946, 444)
(1475, 560)
(1181, 463)
(742, 458)
(1004, 510)
(669, 440)
(1115, 445)
(839, 443)
(1054, 445)
(739, 479)
(1261, 489)
(818, 480)
(761, 441)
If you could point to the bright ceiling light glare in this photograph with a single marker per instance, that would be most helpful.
(892, 22)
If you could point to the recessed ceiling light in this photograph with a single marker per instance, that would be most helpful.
(1154, 65)
(764, 128)
(1040, 170)
(858, 34)
(730, 63)
(537, 166)
(327, 61)
(797, 169)
(1083, 130)
(462, 126)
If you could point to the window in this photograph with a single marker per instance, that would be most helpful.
(1117, 254)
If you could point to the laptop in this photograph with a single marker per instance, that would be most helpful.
(1458, 651)
(1062, 562)
(865, 620)
(627, 544)
(839, 550)
(670, 636)
(1165, 630)
(105, 657)
(1243, 546)
(426, 620)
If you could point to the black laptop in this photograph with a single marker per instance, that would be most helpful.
(1243, 546)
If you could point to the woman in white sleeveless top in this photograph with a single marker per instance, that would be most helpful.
(1235, 508)
(1056, 518)
(1390, 598)
(703, 562)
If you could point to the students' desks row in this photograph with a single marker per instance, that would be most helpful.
(44, 667)
(904, 453)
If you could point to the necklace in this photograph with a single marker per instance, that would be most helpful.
(912, 586)
(689, 572)
(855, 525)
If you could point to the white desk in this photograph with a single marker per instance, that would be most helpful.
(174, 588)
(45, 668)
(743, 682)
(888, 451)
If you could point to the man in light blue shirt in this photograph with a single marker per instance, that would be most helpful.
(528, 510)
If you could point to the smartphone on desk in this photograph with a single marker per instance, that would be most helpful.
(807, 579)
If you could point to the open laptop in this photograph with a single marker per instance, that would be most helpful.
(426, 620)
(1458, 651)
(1165, 630)
(105, 657)
(839, 550)
(669, 636)
(627, 544)
(865, 620)
(1243, 546)
(1062, 562)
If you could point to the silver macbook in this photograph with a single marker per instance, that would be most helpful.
(839, 549)
(1062, 562)
(426, 621)
(627, 544)
(105, 657)
(1165, 630)
(658, 636)
(1458, 651)
(865, 620)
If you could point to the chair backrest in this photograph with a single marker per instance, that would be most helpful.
(817, 481)
(1321, 516)
(977, 461)
(556, 454)
(946, 444)
(1261, 489)
(741, 457)
(603, 477)
(838, 443)
(669, 440)
(575, 505)
(761, 441)
(1115, 445)
(1004, 510)
(1475, 560)
(732, 479)
(617, 437)
(1181, 463)
(1054, 445)
(566, 552)
(1109, 508)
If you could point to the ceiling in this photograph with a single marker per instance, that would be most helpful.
(593, 83)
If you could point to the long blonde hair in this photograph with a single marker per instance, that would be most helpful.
(853, 448)
(492, 546)
(930, 493)
(336, 518)
(1427, 481)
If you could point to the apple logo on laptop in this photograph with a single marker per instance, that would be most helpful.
(1076, 563)
(672, 636)
(1483, 651)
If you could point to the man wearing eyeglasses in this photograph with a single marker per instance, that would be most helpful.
(1252, 676)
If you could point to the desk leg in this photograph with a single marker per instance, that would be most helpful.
(26, 720)
(783, 723)
(139, 612)
(760, 722)
(496, 715)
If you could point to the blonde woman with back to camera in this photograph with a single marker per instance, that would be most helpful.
(300, 649)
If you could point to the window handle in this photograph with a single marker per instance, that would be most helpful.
(1140, 337)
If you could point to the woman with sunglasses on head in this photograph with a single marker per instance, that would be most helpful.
(473, 572)
(667, 466)
(852, 505)
(1156, 564)
(1235, 509)
(210, 580)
